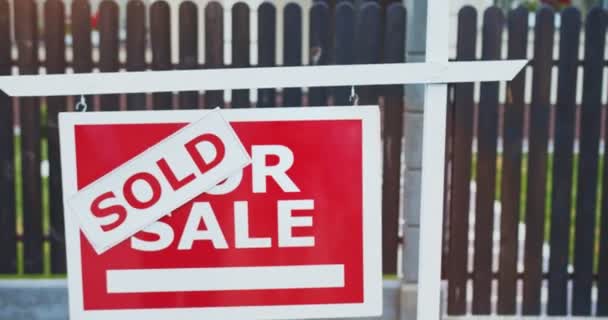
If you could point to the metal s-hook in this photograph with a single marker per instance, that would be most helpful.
(354, 98)
(81, 106)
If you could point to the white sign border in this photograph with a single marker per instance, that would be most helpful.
(372, 257)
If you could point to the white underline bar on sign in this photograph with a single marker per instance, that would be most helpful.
(225, 278)
(259, 78)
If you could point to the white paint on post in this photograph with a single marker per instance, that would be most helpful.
(431, 206)
(433, 163)
(437, 32)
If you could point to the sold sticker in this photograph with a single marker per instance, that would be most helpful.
(161, 179)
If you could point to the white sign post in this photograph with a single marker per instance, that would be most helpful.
(433, 164)
(436, 72)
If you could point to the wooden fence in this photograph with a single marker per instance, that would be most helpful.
(339, 34)
(556, 196)
(557, 191)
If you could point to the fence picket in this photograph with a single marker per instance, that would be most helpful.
(108, 49)
(214, 48)
(368, 44)
(8, 236)
(602, 282)
(82, 60)
(394, 52)
(344, 46)
(463, 110)
(565, 115)
(54, 27)
(267, 16)
(240, 50)
(160, 38)
(511, 166)
(292, 49)
(487, 134)
(26, 34)
(537, 160)
(81, 34)
(136, 48)
(319, 48)
(188, 49)
(591, 109)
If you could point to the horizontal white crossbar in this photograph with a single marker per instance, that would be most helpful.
(259, 78)
(232, 278)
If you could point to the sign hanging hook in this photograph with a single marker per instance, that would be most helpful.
(354, 97)
(81, 106)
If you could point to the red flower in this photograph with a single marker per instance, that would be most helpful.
(94, 20)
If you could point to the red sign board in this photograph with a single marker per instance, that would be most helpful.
(295, 235)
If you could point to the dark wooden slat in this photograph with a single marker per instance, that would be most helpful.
(565, 113)
(385, 3)
(368, 44)
(188, 49)
(54, 39)
(343, 1)
(267, 16)
(240, 50)
(447, 180)
(5, 33)
(160, 38)
(81, 33)
(344, 46)
(595, 33)
(214, 48)
(487, 129)
(8, 243)
(463, 110)
(319, 48)
(26, 18)
(602, 281)
(511, 174)
(136, 48)
(292, 49)
(82, 61)
(394, 38)
(537, 160)
(394, 52)
(108, 49)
